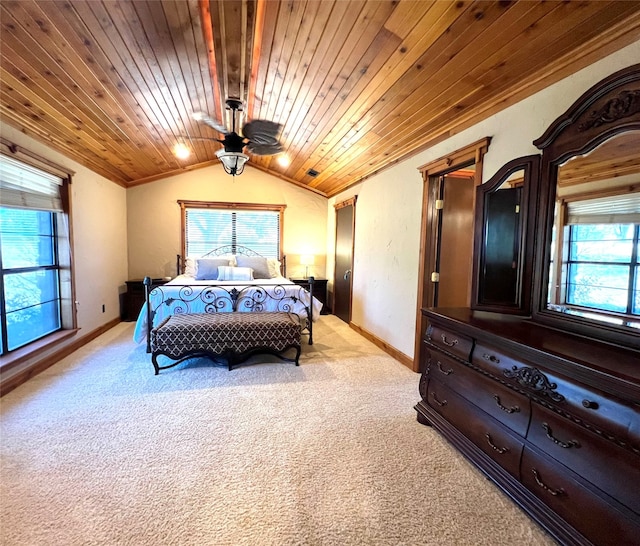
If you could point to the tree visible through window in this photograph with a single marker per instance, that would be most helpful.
(603, 269)
(35, 258)
(30, 275)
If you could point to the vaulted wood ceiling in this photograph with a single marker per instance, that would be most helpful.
(357, 85)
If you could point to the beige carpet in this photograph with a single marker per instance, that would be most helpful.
(98, 450)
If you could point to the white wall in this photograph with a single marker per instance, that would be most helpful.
(99, 237)
(388, 209)
(153, 216)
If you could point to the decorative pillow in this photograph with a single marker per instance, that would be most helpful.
(228, 273)
(207, 268)
(274, 268)
(190, 267)
(257, 263)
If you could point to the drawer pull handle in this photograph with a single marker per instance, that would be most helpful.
(512, 409)
(491, 358)
(501, 450)
(590, 404)
(566, 445)
(435, 399)
(445, 372)
(554, 492)
(448, 343)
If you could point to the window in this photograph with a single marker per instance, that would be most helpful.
(35, 287)
(212, 225)
(602, 256)
(602, 271)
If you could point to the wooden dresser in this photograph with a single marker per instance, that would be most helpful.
(552, 418)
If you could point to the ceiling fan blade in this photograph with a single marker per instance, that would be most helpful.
(262, 131)
(205, 138)
(264, 149)
(213, 123)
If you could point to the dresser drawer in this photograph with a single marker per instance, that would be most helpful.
(491, 437)
(595, 515)
(449, 341)
(599, 412)
(611, 468)
(507, 406)
(590, 406)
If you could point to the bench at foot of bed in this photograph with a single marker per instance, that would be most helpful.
(232, 336)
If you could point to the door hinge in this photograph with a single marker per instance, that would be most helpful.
(517, 209)
(435, 277)
(439, 204)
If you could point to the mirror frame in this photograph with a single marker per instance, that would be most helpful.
(609, 108)
(521, 304)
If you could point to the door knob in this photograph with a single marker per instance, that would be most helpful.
(346, 274)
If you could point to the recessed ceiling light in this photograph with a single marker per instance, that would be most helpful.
(283, 160)
(181, 150)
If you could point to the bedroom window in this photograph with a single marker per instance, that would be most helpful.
(603, 267)
(208, 226)
(601, 258)
(34, 254)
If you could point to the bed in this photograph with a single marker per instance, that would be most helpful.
(227, 280)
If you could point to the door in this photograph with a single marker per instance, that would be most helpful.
(455, 242)
(343, 274)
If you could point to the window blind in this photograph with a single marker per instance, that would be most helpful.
(24, 186)
(209, 228)
(618, 209)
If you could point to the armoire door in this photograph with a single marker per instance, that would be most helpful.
(343, 274)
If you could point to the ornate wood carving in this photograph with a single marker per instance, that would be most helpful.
(625, 104)
(535, 380)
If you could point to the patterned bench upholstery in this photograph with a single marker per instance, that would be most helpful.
(233, 336)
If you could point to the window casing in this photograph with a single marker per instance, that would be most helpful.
(208, 225)
(36, 288)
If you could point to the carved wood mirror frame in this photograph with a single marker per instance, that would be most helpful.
(607, 109)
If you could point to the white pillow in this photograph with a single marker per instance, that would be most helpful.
(274, 268)
(228, 273)
(190, 267)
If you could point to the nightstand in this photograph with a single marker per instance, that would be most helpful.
(319, 292)
(134, 298)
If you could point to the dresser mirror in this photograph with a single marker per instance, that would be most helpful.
(502, 267)
(589, 264)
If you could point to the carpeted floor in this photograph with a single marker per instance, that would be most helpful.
(98, 450)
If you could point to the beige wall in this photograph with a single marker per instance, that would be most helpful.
(388, 209)
(99, 238)
(153, 216)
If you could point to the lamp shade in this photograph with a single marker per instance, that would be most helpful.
(307, 260)
(233, 162)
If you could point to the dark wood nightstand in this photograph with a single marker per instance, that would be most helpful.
(319, 292)
(134, 298)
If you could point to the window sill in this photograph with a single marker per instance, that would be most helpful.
(11, 360)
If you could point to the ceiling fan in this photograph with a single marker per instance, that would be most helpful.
(259, 136)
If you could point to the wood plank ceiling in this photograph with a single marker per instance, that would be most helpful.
(357, 85)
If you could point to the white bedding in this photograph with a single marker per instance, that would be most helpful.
(182, 295)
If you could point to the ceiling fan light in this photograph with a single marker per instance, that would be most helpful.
(233, 162)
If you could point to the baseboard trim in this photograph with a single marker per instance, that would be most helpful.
(38, 366)
(391, 351)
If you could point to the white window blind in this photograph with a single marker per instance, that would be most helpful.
(618, 209)
(210, 228)
(24, 186)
